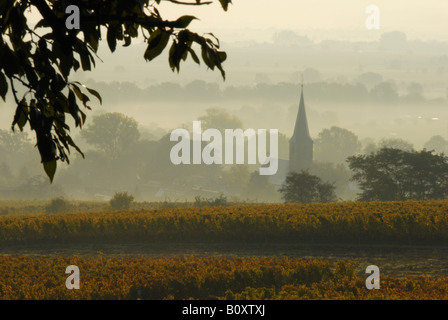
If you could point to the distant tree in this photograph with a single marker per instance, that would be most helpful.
(335, 145)
(16, 151)
(414, 93)
(219, 119)
(391, 143)
(260, 189)
(394, 174)
(304, 187)
(200, 90)
(395, 143)
(384, 92)
(121, 201)
(236, 177)
(338, 174)
(112, 133)
(415, 88)
(5, 173)
(370, 79)
(289, 37)
(57, 205)
(37, 187)
(150, 161)
(437, 143)
(17, 142)
(393, 40)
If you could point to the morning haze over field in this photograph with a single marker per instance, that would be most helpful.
(350, 104)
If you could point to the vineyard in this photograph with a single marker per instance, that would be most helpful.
(420, 224)
(203, 278)
(360, 223)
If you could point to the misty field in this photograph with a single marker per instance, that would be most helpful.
(246, 251)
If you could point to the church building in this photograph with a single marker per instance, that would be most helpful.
(300, 148)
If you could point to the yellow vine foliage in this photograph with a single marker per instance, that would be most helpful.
(408, 222)
(203, 278)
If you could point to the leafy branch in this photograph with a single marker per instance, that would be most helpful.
(42, 61)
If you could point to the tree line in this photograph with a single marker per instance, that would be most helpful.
(383, 92)
(120, 157)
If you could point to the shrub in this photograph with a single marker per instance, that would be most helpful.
(304, 187)
(57, 205)
(121, 201)
(210, 202)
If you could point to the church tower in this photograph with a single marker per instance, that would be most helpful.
(300, 144)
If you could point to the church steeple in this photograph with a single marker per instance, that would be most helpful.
(300, 144)
(301, 127)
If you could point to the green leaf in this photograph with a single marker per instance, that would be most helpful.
(50, 169)
(207, 58)
(156, 44)
(73, 107)
(12, 68)
(76, 65)
(65, 62)
(91, 91)
(112, 38)
(20, 117)
(194, 56)
(3, 86)
(171, 55)
(216, 39)
(72, 143)
(225, 4)
(81, 96)
(83, 117)
(222, 55)
(127, 41)
(184, 21)
(85, 60)
(92, 38)
(95, 93)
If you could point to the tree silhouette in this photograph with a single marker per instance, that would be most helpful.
(397, 175)
(304, 187)
(335, 145)
(112, 133)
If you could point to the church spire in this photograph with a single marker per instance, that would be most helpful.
(301, 128)
(300, 144)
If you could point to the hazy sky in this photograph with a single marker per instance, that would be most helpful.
(419, 19)
(319, 19)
